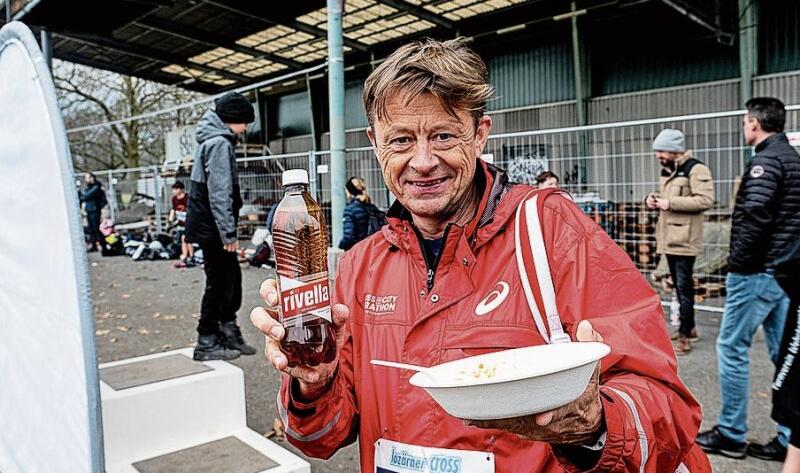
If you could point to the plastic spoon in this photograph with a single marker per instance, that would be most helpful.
(404, 366)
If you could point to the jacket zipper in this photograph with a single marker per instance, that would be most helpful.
(431, 267)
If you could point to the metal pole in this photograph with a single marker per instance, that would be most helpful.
(314, 136)
(112, 201)
(312, 174)
(336, 114)
(580, 93)
(748, 47)
(47, 47)
(9, 15)
(157, 192)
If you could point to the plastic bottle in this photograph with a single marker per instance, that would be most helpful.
(300, 237)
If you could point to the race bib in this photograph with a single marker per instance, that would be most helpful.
(396, 457)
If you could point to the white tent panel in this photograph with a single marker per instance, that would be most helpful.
(49, 394)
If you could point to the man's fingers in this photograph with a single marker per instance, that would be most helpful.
(304, 373)
(340, 314)
(544, 419)
(586, 333)
(264, 321)
(269, 291)
(275, 356)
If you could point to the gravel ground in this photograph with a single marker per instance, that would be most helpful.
(148, 307)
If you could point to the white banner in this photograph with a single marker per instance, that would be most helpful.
(49, 391)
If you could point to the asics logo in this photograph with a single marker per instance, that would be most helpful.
(494, 299)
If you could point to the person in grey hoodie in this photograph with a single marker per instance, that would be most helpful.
(214, 204)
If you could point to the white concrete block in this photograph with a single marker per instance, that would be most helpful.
(149, 420)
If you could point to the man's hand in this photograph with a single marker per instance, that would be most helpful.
(232, 247)
(650, 201)
(313, 381)
(577, 423)
(662, 204)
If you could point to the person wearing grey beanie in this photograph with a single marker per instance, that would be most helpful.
(686, 191)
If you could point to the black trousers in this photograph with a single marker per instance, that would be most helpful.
(681, 268)
(93, 219)
(223, 294)
(786, 385)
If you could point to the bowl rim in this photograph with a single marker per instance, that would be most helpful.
(422, 380)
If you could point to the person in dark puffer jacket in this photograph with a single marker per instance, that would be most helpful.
(765, 222)
(356, 214)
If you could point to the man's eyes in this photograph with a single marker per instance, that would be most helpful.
(401, 140)
(405, 140)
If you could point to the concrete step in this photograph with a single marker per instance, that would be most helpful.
(156, 408)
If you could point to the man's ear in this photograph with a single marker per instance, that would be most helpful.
(482, 134)
(371, 136)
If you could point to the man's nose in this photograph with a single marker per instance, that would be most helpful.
(423, 161)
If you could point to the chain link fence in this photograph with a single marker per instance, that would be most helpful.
(608, 168)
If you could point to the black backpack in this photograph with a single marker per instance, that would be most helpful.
(377, 219)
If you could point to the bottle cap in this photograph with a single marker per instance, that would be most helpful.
(295, 176)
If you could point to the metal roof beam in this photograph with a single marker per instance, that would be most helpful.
(106, 66)
(210, 39)
(148, 53)
(250, 12)
(683, 9)
(419, 12)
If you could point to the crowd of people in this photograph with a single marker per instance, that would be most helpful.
(765, 226)
(435, 254)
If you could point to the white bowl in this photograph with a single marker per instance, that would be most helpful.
(512, 383)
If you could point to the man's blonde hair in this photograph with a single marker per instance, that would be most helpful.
(449, 70)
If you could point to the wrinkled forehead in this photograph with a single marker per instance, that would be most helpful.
(405, 108)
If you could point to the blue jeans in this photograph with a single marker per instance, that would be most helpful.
(753, 300)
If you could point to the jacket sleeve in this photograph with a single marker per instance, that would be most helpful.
(320, 428)
(348, 229)
(755, 206)
(89, 193)
(701, 189)
(651, 417)
(218, 155)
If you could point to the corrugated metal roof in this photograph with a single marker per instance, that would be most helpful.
(294, 114)
(354, 115)
(779, 36)
(542, 74)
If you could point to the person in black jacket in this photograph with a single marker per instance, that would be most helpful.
(211, 221)
(765, 222)
(356, 216)
(93, 199)
(786, 385)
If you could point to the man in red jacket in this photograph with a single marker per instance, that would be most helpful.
(452, 275)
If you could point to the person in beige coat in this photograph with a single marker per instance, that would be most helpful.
(686, 191)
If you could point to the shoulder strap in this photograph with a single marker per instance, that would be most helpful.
(533, 266)
(687, 166)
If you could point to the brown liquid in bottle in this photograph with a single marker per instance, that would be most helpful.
(300, 237)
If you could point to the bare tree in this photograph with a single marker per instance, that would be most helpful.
(89, 96)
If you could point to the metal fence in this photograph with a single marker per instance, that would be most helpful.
(609, 169)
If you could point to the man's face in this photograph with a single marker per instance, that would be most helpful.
(428, 156)
(88, 179)
(238, 128)
(749, 126)
(667, 158)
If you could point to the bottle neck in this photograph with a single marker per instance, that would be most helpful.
(295, 188)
